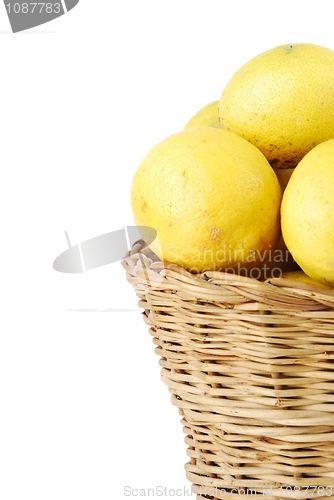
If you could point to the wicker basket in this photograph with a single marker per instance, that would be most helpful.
(250, 365)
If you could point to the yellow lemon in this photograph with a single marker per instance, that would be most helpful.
(307, 213)
(303, 278)
(206, 117)
(282, 101)
(212, 197)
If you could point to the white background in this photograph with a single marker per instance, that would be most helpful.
(83, 412)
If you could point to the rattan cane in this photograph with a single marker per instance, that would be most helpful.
(250, 365)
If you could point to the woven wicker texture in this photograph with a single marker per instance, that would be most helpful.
(250, 367)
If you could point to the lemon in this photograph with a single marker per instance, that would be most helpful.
(206, 117)
(282, 101)
(303, 278)
(212, 197)
(307, 213)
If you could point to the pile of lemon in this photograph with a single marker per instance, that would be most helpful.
(248, 185)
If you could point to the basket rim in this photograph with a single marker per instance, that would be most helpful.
(141, 255)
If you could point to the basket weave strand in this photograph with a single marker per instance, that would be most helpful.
(250, 367)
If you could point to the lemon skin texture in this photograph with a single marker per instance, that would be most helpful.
(282, 101)
(307, 213)
(206, 117)
(211, 196)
